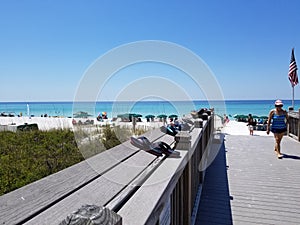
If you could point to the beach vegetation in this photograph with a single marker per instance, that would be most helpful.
(29, 156)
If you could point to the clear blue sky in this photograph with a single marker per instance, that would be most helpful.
(46, 46)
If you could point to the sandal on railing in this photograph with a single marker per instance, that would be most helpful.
(140, 142)
(165, 148)
(156, 148)
(144, 144)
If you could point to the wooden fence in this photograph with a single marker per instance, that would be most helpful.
(294, 125)
(123, 185)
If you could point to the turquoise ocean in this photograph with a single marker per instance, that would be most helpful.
(180, 108)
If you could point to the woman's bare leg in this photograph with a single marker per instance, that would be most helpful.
(278, 138)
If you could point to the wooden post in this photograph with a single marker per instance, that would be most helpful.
(183, 140)
(198, 123)
(93, 215)
(204, 116)
(299, 124)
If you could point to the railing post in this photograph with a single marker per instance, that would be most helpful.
(198, 123)
(289, 127)
(183, 140)
(93, 215)
(299, 124)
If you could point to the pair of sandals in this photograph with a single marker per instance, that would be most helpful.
(157, 148)
(171, 130)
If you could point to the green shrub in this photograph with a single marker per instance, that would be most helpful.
(29, 156)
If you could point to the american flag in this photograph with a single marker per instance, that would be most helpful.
(293, 70)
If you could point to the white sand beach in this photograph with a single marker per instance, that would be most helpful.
(240, 128)
(44, 123)
(48, 123)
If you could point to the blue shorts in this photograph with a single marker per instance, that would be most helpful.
(278, 131)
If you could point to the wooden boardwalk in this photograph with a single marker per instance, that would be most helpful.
(247, 184)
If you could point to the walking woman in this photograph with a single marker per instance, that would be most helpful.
(279, 118)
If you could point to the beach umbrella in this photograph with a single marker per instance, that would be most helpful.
(162, 116)
(263, 117)
(173, 116)
(149, 116)
(255, 117)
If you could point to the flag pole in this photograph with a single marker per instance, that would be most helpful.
(292, 75)
(293, 96)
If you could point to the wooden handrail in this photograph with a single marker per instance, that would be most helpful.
(294, 125)
(137, 187)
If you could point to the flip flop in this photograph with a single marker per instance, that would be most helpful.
(164, 148)
(140, 142)
(144, 144)
(169, 130)
(157, 148)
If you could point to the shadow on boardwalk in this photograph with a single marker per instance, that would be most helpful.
(214, 205)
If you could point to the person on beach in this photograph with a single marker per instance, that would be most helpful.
(225, 120)
(279, 118)
(250, 124)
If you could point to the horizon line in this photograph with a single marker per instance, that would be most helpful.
(68, 101)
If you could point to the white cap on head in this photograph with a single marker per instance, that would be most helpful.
(278, 103)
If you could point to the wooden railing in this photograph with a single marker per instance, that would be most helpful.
(123, 185)
(294, 125)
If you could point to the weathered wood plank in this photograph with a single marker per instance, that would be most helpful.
(121, 183)
(154, 192)
(99, 192)
(120, 199)
(145, 208)
(214, 207)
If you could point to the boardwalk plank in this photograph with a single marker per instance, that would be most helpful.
(214, 207)
(264, 188)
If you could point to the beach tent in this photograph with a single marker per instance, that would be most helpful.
(241, 116)
(81, 114)
(126, 116)
(137, 115)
